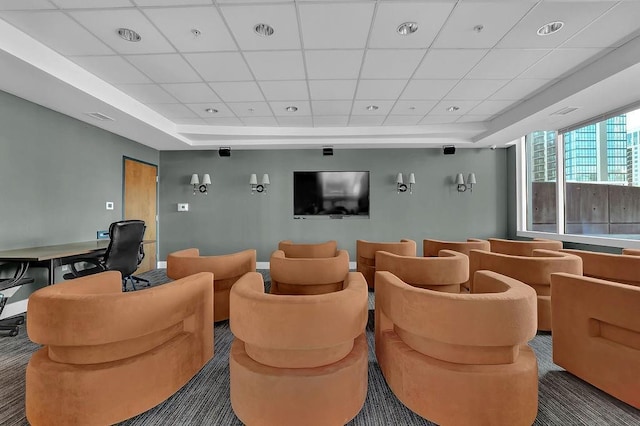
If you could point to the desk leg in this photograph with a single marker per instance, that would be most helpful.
(52, 271)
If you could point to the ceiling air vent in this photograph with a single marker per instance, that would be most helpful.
(565, 111)
(99, 116)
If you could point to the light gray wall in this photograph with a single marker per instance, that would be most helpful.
(56, 173)
(230, 219)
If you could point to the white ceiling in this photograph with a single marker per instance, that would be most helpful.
(329, 58)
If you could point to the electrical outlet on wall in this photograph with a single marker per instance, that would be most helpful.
(109, 205)
(183, 207)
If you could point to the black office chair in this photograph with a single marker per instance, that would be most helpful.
(10, 326)
(123, 254)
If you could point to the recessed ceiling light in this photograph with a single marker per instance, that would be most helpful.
(372, 107)
(264, 30)
(129, 35)
(550, 28)
(453, 108)
(291, 108)
(407, 28)
(211, 110)
(196, 32)
(478, 28)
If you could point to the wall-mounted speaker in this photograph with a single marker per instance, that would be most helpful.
(449, 149)
(224, 151)
(327, 151)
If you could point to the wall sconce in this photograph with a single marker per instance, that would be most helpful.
(262, 187)
(402, 187)
(462, 185)
(200, 187)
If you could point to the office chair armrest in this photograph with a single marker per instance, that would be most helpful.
(97, 262)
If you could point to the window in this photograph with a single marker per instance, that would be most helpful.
(541, 181)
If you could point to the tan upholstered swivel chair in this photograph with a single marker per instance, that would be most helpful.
(620, 268)
(297, 250)
(432, 247)
(308, 275)
(109, 355)
(460, 359)
(366, 255)
(298, 359)
(522, 248)
(631, 252)
(226, 271)
(596, 333)
(443, 273)
(533, 270)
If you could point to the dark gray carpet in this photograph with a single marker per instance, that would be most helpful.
(564, 399)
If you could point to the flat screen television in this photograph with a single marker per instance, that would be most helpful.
(330, 195)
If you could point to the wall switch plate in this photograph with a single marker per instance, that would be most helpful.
(109, 205)
(183, 207)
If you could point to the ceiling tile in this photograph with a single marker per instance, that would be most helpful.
(490, 107)
(25, 4)
(57, 31)
(363, 120)
(89, 4)
(333, 64)
(380, 89)
(298, 121)
(428, 89)
(519, 88)
(448, 63)
(200, 110)
(281, 17)
(223, 121)
(332, 89)
(251, 109)
(439, 119)
(402, 120)
(170, 2)
(419, 108)
(430, 16)
(385, 63)
(464, 107)
(238, 91)
(172, 111)
(610, 29)
(335, 25)
(475, 89)
(279, 65)
(506, 63)
(284, 90)
(148, 93)
(104, 24)
(331, 107)
(177, 24)
(575, 15)
(222, 66)
(360, 107)
(168, 68)
(190, 93)
(559, 62)
(260, 121)
(497, 18)
(279, 108)
(330, 121)
(112, 69)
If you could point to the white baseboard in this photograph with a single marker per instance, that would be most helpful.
(259, 265)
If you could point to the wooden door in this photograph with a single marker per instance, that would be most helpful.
(140, 202)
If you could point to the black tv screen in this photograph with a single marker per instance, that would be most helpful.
(330, 194)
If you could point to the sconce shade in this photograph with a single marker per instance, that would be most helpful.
(399, 178)
(265, 179)
(253, 180)
(471, 179)
(195, 180)
(206, 179)
(412, 178)
(459, 179)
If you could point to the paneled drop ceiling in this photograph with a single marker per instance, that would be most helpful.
(475, 73)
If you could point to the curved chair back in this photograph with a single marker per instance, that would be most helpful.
(620, 268)
(299, 250)
(366, 255)
(522, 248)
(631, 252)
(308, 275)
(443, 273)
(431, 248)
(227, 269)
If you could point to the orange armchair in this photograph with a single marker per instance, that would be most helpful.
(226, 269)
(631, 252)
(291, 249)
(432, 247)
(366, 255)
(109, 355)
(443, 273)
(298, 359)
(523, 248)
(446, 364)
(620, 268)
(533, 270)
(307, 275)
(596, 333)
